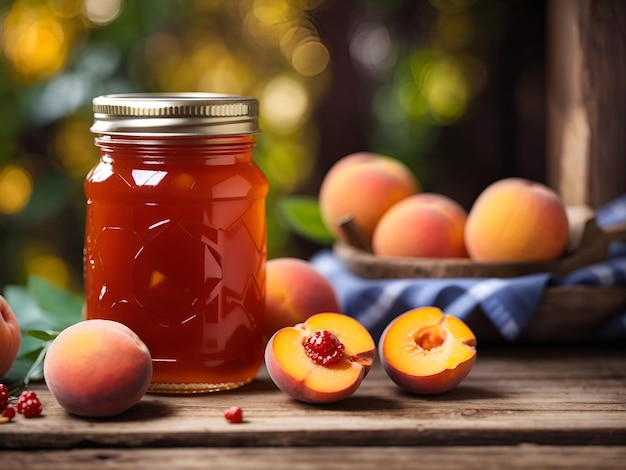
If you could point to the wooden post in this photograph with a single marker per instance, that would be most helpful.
(587, 100)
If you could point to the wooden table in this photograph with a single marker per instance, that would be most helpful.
(540, 407)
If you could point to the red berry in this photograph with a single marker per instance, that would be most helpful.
(28, 404)
(234, 414)
(4, 396)
(9, 412)
(324, 348)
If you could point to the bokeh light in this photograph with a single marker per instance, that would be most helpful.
(74, 147)
(310, 58)
(43, 260)
(445, 90)
(284, 104)
(101, 12)
(16, 187)
(371, 47)
(34, 40)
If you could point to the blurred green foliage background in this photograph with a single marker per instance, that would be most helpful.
(452, 87)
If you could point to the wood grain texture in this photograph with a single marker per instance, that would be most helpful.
(587, 100)
(337, 458)
(512, 397)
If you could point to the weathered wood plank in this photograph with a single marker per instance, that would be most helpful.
(537, 395)
(294, 458)
(587, 99)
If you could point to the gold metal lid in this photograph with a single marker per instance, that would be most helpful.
(175, 114)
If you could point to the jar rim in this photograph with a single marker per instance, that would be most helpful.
(170, 114)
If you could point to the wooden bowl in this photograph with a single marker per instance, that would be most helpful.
(565, 314)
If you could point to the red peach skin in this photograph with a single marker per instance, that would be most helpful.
(10, 337)
(294, 292)
(425, 225)
(364, 186)
(97, 368)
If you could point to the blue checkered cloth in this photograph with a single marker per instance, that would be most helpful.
(508, 304)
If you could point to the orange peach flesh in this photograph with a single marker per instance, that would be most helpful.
(297, 364)
(428, 352)
(302, 378)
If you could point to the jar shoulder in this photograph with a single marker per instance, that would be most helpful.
(178, 181)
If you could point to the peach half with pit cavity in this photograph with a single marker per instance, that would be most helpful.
(425, 351)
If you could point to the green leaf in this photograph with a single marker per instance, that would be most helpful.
(26, 367)
(302, 214)
(14, 379)
(42, 310)
(31, 354)
(63, 306)
(42, 335)
(35, 372)
(29, 314)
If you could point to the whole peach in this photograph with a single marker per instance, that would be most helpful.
(295, 290)
(426, 225)
(97, 368)
(363, 186)
(515, 219)
(10, 337)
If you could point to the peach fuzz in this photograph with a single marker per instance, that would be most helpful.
(516, 219)
(426, 225)
(10, 337)
(363, 186)
(97, 368)
(425, 351)
(292, 363)
(295, 290)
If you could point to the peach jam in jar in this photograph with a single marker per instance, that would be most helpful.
(175, 241)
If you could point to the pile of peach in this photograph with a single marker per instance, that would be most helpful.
(513, 219)
(325, 356)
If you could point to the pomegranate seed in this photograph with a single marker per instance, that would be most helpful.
(28, 404)
(234, 414)
(324, 348)
(4, 396)
(9, 412)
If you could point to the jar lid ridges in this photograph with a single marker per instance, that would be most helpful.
(175, 114)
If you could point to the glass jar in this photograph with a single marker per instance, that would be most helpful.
(175, 241)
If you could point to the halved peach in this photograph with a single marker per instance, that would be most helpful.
(322, 360)
(425, 351)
